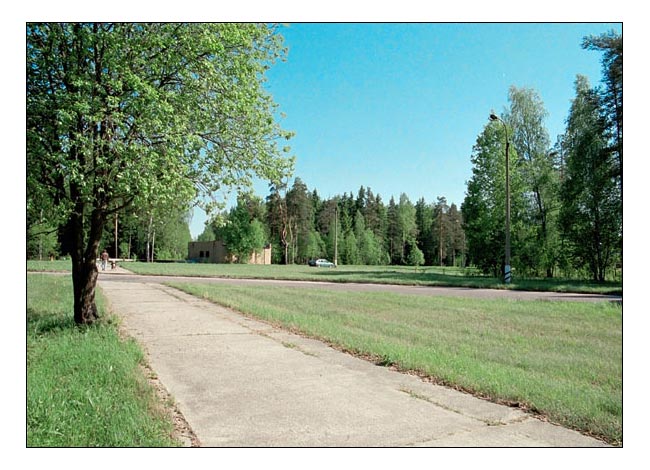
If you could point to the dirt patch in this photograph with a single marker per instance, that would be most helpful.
(182, 431)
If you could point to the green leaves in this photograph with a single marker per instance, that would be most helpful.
(143, 109)
(152, 115)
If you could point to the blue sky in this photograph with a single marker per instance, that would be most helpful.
(397, 107)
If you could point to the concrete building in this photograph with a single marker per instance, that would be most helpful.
(216, 252)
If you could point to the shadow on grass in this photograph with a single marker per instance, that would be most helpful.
(405, 277)
(472, 281)
(43, 322)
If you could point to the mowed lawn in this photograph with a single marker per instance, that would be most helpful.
(405, 275)
(560, 359)
(85, 385)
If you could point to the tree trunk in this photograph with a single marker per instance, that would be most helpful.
(153, 243)
(84, 265)
(116, 250)
(84, 280)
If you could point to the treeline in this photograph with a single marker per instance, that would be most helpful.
(353, 230)
(566, 199)
(144, 233)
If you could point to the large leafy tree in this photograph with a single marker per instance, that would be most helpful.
(484, 206)
(590, 217)
(530, 138)
(123, 113)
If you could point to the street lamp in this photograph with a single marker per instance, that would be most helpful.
(336, 233)
(507, 273)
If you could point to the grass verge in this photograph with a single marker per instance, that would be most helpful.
(85, 385)
(560, 359)
(425, 276)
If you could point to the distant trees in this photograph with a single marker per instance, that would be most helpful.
(243, 230)
(353, 230)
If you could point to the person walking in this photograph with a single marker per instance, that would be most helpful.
(104, 258)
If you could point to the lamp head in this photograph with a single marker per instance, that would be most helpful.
(494, 117)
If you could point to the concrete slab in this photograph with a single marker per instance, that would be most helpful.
(241, 382)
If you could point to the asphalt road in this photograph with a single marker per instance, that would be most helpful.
(467, 292)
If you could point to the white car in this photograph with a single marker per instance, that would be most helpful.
(321, 263)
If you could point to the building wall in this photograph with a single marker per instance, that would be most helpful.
(208, 252)
(264, 257)
(216, 252)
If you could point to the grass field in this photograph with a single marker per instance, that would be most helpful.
(85, 387)
(561, 359)
(430, 276)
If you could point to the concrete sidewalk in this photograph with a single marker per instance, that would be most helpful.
(240, 382)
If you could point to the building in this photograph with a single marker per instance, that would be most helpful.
(216, 252)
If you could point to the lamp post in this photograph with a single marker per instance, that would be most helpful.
(336, 233)
(507, 273)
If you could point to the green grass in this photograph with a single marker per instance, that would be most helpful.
(50, 266)
(561, 359)
(85, 387)
(429, 276)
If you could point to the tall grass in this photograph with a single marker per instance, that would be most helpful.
(85, 387)
(561, 359)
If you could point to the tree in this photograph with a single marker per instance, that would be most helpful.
(456, 234)
(424, 222)
(349, 248)
(416, 257)
(151, 232)
(173, 236)
(277, 219)
(207, 235)
(300, 211)
(484, 206)
(375, 215)
(241, 231)
(41, 241)
(530, 139)
(590, 217)
(440, 230)
(122, 113)
(407, 227)
(329, 226)
(611, 44)
(368, 246)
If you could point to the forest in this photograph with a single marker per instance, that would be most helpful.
(565, 202)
